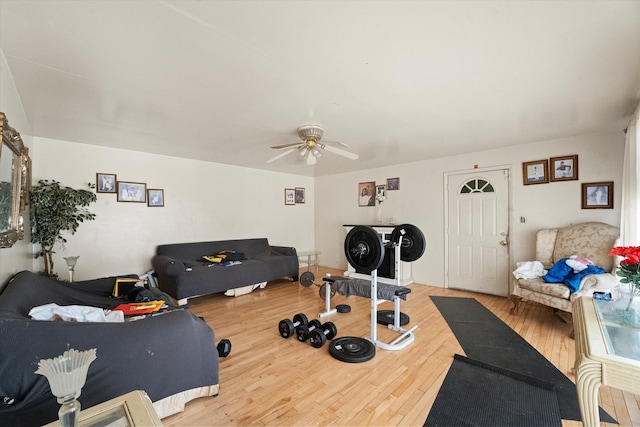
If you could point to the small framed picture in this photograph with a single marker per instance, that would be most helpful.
(536, 172)
(393, 184)
(289, 196)
(380, 192)
(563, 168)
(106, 183)
(132, 192)
(597, 195)
(155, 198)
(367, 193)
(299, 195)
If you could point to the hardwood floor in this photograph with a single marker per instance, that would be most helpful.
(268, 381)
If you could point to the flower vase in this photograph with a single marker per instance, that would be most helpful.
(627, 309)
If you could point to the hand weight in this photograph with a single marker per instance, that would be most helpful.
(319, 336)
(286, 327)
(302, 331)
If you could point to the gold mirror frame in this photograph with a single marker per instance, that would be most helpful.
(17, 190)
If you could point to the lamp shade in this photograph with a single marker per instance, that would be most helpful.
(67, 373)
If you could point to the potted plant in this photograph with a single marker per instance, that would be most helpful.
(54, 209)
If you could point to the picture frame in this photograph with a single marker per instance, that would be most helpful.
(380, 190)
(597, 195)
(563, 168)
(289, 196)
(393, 184)
(367, 193)
(300, 197)
(535, 172)
(155, 197)
(106, 183)
(132, 191)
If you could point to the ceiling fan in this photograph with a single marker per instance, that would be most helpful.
(311, 148)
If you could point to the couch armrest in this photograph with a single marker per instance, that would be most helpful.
(596, 283)
(283, 250)
(168, 266)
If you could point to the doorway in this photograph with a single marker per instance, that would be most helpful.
(477, 230)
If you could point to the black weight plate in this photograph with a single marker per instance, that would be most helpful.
(343, 308)
(352, 349)
(364, 248)
(413, 242)
(385, 317)
(317, 338)
(300, 319)
(285, 328)
(306, 279)
(323, 291)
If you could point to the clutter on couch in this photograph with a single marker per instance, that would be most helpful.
(170, 354)
(187, 270)
(570, 262)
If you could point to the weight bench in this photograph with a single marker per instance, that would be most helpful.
(378, 293)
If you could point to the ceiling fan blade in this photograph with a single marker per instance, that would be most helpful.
(335, 143)
(341, 152)
(284, 153)
(279, 147)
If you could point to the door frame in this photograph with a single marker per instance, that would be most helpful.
(447, 174)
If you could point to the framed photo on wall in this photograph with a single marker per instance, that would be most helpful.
(289, 196)
(563, 168)
(132, 192)
(597, 195)
(380, 191)
(393, 184)
(300, 197)
(367, 193)
(155, 198)
(106, 183)
(536, 172)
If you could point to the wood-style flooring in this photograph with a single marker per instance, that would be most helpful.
(270, 381)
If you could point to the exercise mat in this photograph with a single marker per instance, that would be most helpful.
(479, 394)
(486, 338)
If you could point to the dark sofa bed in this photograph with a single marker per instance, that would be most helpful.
(182, 272)
(171, 356)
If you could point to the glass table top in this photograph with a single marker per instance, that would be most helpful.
(622, 340)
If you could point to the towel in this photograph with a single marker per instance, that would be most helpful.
(529, 270)
(75, 313)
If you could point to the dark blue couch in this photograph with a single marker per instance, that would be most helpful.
(163, 355)
(182, 273)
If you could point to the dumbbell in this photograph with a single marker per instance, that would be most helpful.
(286, 327)
(319, 336)
(302, 331)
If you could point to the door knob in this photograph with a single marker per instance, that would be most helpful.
(504, 242)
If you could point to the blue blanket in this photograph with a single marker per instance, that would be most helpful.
(560, 272)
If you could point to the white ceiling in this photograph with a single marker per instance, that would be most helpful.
(397, 81)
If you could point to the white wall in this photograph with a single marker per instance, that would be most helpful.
(203, 201)
(18, 257)
(420, 200)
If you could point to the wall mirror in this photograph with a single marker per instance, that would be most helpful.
(15, 184)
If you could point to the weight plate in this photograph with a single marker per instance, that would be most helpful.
(352, 349)
(343, 308)
(323, 291)
(385, 317)
(364, 248)
(300, 319)
(307, 278)
(285, 328)
(413, 242)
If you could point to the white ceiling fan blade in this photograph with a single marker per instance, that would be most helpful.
(335, 143)
(341, 152)
(278, 147)
(284, 153)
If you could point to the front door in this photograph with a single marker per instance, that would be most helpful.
(477, 231)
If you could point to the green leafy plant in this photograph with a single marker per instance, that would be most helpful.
(54, 209)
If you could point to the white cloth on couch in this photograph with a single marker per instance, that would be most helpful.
(75, 313)
(529, 270)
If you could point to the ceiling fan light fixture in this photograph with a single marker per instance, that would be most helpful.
(316, 153)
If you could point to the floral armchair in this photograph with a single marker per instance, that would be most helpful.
(592, 240)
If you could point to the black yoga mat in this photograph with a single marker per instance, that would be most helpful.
(479, 394)
(486, 338)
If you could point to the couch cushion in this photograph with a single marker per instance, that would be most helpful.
(559, 290)
(592, 240)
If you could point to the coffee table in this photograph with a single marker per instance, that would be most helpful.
(607, 353)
